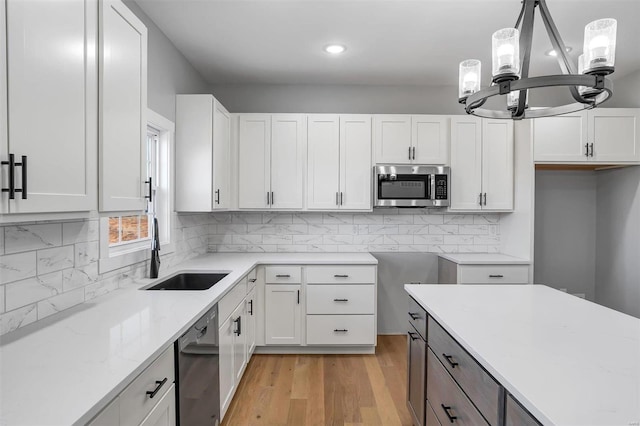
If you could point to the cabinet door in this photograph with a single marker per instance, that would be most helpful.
(560, 139)
(238, 318)
(392, 134)
(282, 314)
(323, 161)
(497, 164)
(430, 138)
(466, 162)
(356, 170)
(194, 115)
(221, 157)
(164, 413)
(227, 373)
(287, 160)
(249, 327)
(254, 161)
(416, 376)
(4, 148)
(52, 99)
(615, 134)
(123, 106)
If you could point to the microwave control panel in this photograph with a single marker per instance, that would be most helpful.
(441, 187)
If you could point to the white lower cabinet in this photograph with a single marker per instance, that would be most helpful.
(227, 375)
(341, 330)
(250, 326)
(164, 413)
(283, 314)
(239, 342)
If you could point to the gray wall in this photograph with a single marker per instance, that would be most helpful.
(565, 230)
(618, 240)
(169, 73)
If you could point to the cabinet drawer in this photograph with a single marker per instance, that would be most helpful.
(446, 398)
(493, 274)
(474, 381)
(432, 420)
(340, 299)
(518, 415)
(418, 317)
(340, 330)
(231, 300)
(283, 274)
(348, 274)
(135, 403)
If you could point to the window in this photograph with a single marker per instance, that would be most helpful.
(126, 239)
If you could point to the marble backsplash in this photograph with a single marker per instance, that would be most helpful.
(383, 230)
(48, 267)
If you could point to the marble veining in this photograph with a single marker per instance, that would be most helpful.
(55, 259)
(32, 237)
(25, 292)
(14, 267)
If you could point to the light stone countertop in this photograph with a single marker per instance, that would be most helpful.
(64, 370)
(484, 259)
(567, 360)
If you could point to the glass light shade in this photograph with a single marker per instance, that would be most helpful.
(469, 78)
(513, 98)
(600, 43)
(505, 45)
(584, 90)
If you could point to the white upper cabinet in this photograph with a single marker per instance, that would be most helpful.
(271, 157)
(411, 139)
(599, 135)
(481, 164)
(203, 129)
(49, 61)
(123, 105)
(339, 162)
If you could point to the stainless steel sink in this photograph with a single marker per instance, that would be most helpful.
(188, 281)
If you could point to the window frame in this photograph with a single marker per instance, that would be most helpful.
(126, 254)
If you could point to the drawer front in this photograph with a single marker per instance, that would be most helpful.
(432, 420)
(231, 300)
(477, 383)
(341, 274)
(135, 403)
(493, 274)
(446, 398)
(283, 274)
(340, 299)
(517, 415)
(418, 317)
(341, 330)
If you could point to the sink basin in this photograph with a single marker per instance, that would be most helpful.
(189, 282)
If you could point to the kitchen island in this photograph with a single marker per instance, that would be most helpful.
(565, 360)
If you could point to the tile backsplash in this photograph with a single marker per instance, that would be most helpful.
(384, 230)
(47, 267)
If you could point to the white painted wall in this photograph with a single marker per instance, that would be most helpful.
(617, 283)
(565, 230)
(625, 92)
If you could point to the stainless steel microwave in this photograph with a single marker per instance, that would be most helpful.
(411, 186)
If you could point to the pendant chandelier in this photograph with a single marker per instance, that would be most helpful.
(588, 84)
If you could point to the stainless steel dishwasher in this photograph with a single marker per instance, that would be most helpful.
(198, 373)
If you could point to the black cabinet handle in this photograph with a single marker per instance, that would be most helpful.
(409, 153)
(485, 198)
(272, 198)
(341, 198)
(496, 276)
(586, 149)
(217, 196)
(449, 359)
(150, 183)
(12, 177)
(251, 307)
(414, 152)
(446, 409)
(340, 330)
(591, 145)
(337, 199)
(238, 330)
(159, 384)
(268, 198)
(23, 164)
(341, 276)
(414, 316)
(340, 300)
(411, 335)
(298, 297)
(252, 280)
(283, 276)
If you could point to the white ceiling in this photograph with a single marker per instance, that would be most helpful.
(389, 42)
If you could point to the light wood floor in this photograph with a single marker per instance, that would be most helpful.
(325, 389)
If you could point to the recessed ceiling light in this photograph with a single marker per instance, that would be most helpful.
(553, 53)
(335, 49)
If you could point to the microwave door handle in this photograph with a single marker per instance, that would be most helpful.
(432, 186)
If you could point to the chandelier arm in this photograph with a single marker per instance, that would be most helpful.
(526, 36)
(519, 20)
(566, 65)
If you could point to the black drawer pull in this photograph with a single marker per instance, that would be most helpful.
(413, 315)
(341, 276)
(411, 334)
(251, 307)
(12, 176)
(496, 276)
(449, 360)
(340, 300)
(283, 276)
(340, 330)
(150, 183)
(23, 190)
(238, 330)
(446, 409)
(252, 280)
(159, 384)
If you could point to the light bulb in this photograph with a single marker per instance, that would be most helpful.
(469, 78)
